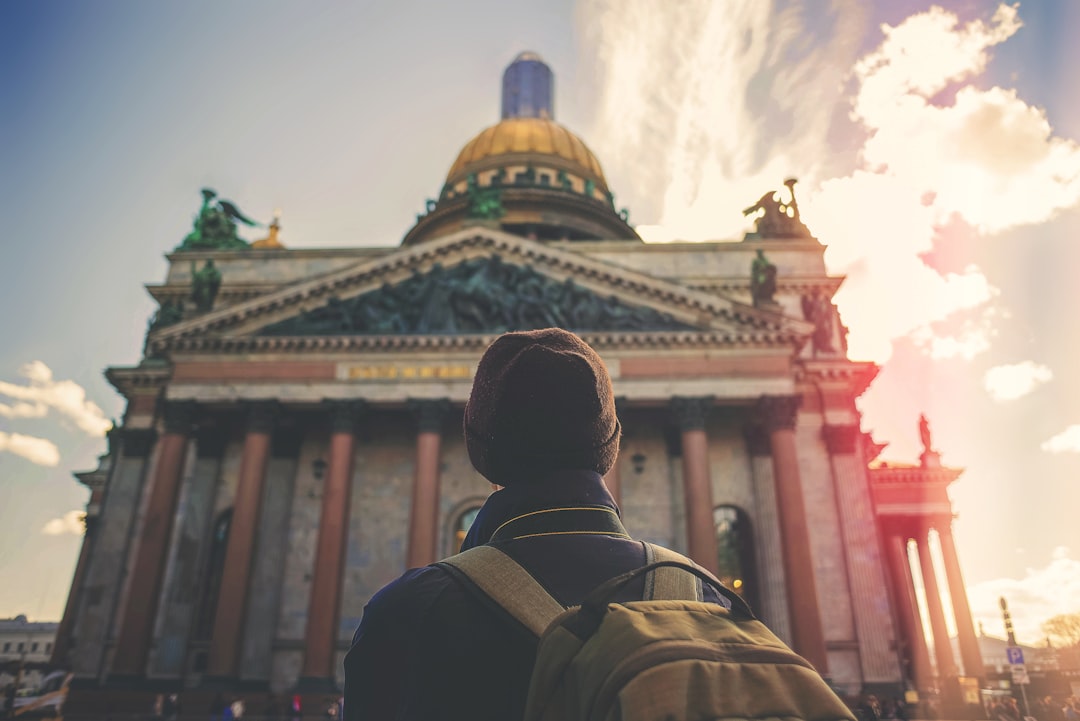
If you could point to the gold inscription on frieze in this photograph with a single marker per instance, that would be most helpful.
(393, 372)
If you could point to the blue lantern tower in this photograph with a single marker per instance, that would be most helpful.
(527, 88)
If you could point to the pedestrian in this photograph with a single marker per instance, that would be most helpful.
(541, 425)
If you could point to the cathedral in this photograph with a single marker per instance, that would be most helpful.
(292, 435)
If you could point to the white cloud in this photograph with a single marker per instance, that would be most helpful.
(71, 522)
(1068, 441)
(43, 394)
(36, 450)
(1042, 593)
(1009, 382)
(744, 102)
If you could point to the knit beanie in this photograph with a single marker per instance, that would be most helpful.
(541, 401)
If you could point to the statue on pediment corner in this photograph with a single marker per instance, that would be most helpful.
(820, 311)
(215, 225)
(205, 284)
(762, 280)
(776, 218)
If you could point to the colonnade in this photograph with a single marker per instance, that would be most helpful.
(898, 533)
(773, 417)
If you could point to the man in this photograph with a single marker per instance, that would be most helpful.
(541, 423)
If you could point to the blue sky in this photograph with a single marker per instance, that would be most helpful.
(347, 116)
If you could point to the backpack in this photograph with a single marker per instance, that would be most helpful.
(670, 657)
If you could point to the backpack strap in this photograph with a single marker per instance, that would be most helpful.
(668, 583)
(509, 585)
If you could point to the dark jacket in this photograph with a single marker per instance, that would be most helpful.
(428, 648)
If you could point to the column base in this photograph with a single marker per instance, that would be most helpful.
(316, 684)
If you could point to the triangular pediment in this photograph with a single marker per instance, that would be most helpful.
(480, 282)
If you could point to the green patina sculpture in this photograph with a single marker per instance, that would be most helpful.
(170, 312)
(564, 180)
(484, 203)
(215, 225)
(204, 285)
(762, 279)
(483, 295)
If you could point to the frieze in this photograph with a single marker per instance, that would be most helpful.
(481, 295)
(398, 371)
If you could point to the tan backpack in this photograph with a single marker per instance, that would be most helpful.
(671, 657)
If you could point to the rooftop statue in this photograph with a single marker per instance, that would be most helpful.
(924, 434)
(762, 280)
(204, 285)
(484, 203)
(777, 219)
(215, 225)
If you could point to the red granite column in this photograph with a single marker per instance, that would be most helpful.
(911, 630)
(424, 513)
(965, 627)
(946, 664)
(690, 413)
(325, 605)
(236, 574)
(147, 572)
(778, 414)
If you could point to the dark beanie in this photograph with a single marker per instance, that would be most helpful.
(541, 401)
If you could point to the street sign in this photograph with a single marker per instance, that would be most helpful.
(1015, 654)
(1020, 674)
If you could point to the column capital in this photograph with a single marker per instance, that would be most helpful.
(777, 412)
(345, 415)
(262, 416)
(690, 413)
(179, 416)
(841, 439)
(137, 442)
(430, 413)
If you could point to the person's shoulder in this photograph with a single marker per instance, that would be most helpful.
(413, 590)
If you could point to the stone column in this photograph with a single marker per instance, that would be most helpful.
(965, 628)
(424, 513)
(778, 414)
(907, 610)
(690, 414)
(236, 575)
(869, 595)
(773, 585)
(147, 572)
(325, 605)
(946, 664)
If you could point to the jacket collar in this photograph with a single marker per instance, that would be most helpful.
(559, 489)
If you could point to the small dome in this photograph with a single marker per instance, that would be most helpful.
(524, 139)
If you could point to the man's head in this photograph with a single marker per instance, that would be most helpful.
(541, 401)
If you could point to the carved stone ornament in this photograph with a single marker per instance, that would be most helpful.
(778, 412)
(690, 413)
(841, 439)
(345, 415)
(430, 414)
(137, 442)
(179, 416)
(482, 295)
(262, 416)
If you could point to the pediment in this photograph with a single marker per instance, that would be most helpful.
(476, 283)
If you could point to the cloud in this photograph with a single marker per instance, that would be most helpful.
(43, 394)
(1009, 382)
(70, 523)
(1042, 593)
(1068, 441)
(890, 146)
(36, 450)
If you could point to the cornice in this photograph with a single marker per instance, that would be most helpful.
(427, 343)
(135, 379)
(785, 285)
(692, 304)
(858, 375)
(913, 475)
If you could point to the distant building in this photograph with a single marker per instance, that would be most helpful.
(292, 436)
(26, 642)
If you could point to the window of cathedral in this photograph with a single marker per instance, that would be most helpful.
(735, 551)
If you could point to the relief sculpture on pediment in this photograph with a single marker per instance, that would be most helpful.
(483, 295)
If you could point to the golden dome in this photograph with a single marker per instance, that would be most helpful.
(527, 137)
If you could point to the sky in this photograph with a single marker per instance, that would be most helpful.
(937, 149)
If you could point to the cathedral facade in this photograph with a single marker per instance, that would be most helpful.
(292, 437)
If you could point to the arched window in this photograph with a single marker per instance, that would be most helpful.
(735, 551)
(464, 523)
(211, 580)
